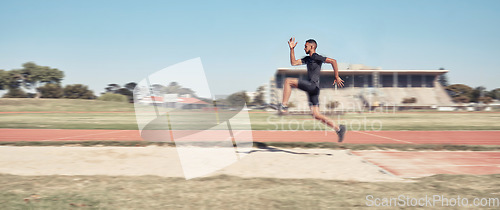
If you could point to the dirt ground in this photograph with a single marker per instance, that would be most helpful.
(164, 161)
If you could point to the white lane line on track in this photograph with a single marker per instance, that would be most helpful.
(92, 134)
(385, 137)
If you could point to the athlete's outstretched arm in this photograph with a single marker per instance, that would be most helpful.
(337, 80)
(292, 45)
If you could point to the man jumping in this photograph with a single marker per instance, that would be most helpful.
(311, 85)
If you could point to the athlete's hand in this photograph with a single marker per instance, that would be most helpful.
(339, 82)
(292, 43)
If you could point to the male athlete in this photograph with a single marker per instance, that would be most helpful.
(311, 85)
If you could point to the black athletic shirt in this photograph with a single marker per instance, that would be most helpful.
(313, 63)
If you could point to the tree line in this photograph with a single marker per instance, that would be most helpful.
(461, 93)
(44, 80)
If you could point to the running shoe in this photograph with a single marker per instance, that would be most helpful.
(341, 132)
(281, 109)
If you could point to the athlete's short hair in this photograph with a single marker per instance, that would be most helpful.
(312, 41)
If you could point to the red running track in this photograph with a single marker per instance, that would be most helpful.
(427, 163)
(353, 137)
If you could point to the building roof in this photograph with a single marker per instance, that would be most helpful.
(155, 98)
(364, 71)
(179, 100)
(190, 101)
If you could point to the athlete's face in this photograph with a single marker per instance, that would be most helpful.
(308, 47)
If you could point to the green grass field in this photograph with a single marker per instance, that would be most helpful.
(227, 192)
(70, 114)
(72, 105)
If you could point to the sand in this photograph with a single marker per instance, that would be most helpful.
(164, 161)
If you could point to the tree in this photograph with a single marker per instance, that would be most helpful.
(443, 79)
(127, 93)
(157, 89)
(130, 86)
(3, 79)
(51, 91)
(237, 99)
(112, 88)
(220, 103)
(15, 93)
(461, 99)
(174, 87)
(184, 91)
(31, 76)
(127, 90)
(477, 93)
(259, 98)
(485, 100)
(495, 93)
(12, 80)
(34, 75)
(78, 91)
(459, 90)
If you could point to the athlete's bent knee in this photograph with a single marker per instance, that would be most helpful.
(290, 82)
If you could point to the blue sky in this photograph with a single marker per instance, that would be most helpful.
(241, 43)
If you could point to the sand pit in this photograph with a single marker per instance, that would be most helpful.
(164, 161)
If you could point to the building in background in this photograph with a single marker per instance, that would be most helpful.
(251, 95)
(367, 87)
(177, 101)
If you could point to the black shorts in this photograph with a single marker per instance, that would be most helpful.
(312, 91)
